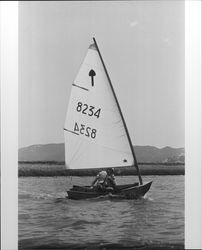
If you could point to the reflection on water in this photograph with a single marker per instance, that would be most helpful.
(48, 218)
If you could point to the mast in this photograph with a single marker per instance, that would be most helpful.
(119, 108)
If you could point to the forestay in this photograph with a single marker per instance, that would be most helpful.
(95, 136)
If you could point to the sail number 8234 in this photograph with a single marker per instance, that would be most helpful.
(84, 130)
(88, 109)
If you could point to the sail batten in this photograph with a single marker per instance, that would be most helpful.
(95, 133)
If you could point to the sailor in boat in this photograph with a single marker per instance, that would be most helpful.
(110, 180)
(105, 181)
(99, 181)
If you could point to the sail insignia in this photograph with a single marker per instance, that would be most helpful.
(92, 74)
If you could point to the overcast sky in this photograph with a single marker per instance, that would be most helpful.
(142, 43)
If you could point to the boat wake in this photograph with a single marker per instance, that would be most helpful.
(42, 196)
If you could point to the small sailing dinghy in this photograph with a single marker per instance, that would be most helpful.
(96, 135)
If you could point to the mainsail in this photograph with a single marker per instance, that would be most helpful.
(95, 133)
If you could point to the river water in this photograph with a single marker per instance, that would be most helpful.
(48, 220)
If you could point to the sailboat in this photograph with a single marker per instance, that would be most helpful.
(96, 135)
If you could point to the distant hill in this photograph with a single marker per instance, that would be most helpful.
(146, 154)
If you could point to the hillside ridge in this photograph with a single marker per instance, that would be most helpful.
(56, 152)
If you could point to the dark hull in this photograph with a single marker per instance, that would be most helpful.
(129, 191)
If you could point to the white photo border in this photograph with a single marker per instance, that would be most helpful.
(193, 149)
(9, 125)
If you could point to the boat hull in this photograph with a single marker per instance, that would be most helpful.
(129, 191)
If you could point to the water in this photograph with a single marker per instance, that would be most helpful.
(48, 220)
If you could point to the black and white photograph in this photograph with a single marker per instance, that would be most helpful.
(101, 125)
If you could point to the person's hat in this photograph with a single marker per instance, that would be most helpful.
(110, 170)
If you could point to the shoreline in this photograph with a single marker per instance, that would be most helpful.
(139, 163)
(47, 169)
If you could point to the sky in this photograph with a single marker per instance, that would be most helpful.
(142, 44)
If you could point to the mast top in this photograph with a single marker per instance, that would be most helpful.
(93, 45)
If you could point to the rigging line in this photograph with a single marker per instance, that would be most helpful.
(75, 85)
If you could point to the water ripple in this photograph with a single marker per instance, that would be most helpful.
(47, 218)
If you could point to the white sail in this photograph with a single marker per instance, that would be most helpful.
(95, 136)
